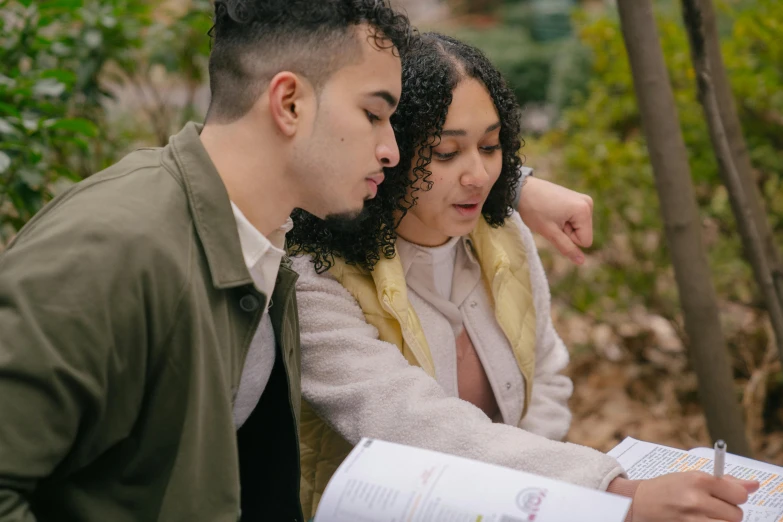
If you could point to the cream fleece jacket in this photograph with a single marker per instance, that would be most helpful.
(364, 387)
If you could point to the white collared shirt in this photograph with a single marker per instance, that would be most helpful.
(262, 258)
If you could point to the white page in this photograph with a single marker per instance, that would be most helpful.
(770, 495)
(736, 460)
(385, 482)
(646, 460)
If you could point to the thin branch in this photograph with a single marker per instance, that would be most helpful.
(746, 222)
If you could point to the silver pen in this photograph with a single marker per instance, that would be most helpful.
(720, 458)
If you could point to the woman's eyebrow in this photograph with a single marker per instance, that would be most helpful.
(462, 132)
(454, 132)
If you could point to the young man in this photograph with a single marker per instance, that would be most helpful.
(137, 364)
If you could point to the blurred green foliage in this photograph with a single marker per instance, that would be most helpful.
(532, 44)
(602, 152)
(58, 58)
(49, 92)
(755, 58)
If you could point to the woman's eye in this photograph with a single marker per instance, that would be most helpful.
(444, 156)
(491, 149)
(372, 117)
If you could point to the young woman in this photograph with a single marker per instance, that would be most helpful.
(429, 323)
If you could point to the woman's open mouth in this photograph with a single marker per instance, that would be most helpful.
(467, 209)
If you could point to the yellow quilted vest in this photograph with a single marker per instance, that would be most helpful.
(382, 295)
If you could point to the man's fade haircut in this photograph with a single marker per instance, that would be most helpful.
(253, 40)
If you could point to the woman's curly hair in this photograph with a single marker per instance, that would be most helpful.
(431, 71)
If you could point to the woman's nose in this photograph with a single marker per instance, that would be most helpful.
(476, 174)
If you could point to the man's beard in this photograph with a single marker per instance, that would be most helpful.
(347, 222)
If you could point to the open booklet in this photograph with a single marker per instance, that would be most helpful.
(385, 482)
(643, 460)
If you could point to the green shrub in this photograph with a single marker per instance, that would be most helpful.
(58, 57)
(50, 95)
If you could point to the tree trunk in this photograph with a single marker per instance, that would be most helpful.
(745, 199)
(682, 225)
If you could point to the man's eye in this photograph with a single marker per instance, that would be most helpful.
(491, 149)
(372, 117)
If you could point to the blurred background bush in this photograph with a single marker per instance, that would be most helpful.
(84, 82)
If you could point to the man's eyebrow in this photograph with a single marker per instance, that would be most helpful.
(461, 132)
(387, 97)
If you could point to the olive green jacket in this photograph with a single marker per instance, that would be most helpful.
(126, 312)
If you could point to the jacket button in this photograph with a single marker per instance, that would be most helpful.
(249, 303)
(473, 304)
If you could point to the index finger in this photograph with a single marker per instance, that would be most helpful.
(728, 490)
(580, 230)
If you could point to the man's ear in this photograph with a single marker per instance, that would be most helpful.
(287, 99)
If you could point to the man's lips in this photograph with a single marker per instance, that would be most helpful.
(376, 178)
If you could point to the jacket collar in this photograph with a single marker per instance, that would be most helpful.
(410, 253)
(210, 207)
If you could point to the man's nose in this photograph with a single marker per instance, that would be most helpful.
(387, 151)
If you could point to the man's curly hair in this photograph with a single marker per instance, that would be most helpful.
(253, 40)
(431, 71)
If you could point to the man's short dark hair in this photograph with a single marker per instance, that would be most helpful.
(253, 40)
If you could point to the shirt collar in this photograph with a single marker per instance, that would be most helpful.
(468, 245)
(255, 244)
(411, 253)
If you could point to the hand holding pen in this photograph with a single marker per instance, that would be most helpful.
(693, 495)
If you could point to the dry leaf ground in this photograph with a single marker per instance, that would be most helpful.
(632, 378)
